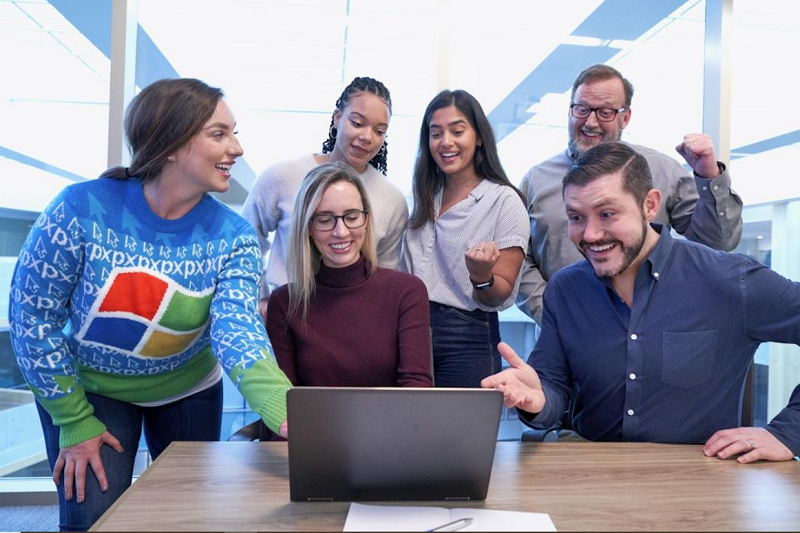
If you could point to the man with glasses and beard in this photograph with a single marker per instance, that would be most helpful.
(651, 336)
(702, 208)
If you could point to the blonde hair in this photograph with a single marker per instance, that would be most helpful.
(303, 258)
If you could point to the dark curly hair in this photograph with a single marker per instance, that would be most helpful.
(361, 85)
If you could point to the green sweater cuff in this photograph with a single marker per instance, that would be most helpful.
(72, 413)
(72, 434)
(264, 386)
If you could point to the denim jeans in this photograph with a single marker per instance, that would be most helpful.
(195, 418)
(464, 345)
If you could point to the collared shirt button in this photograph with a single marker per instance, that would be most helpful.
(632, 376)
(634, 336)
(716, 187)
(722, 213)
(705, 187)
(630, 412)
(655, 274)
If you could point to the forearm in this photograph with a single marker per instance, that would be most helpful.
(709, 212)
(264, 386)
(552, 412)
(502, 275)
(239, 339)
(786, 424)
(531, 290)
(496, 294)
(74, 416)
(38, 310)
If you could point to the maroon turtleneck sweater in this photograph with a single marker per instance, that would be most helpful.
(360, 330)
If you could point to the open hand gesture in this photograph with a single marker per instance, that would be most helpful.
(519, 384)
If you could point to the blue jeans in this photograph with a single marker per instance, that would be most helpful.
(196, 418)
(464, 345)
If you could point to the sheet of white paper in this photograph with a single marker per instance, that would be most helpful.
(405, 518)
(394, 518)
(493, 520)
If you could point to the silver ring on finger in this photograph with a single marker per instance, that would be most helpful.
(752, 444)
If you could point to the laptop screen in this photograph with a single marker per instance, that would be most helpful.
(368, 444)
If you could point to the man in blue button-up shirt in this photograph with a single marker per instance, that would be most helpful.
(653, 335)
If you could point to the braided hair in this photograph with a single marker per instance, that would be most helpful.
(360, 85)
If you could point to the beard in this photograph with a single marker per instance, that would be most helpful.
(629, 253)
(574, 135)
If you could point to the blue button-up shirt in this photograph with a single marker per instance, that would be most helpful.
(670, 368)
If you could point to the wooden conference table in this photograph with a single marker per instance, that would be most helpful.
(235, 486)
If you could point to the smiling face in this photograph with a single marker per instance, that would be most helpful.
(584, 133)
(452, 141)
(205, 162)
(360, 130)
(341, 246)
(607, 225)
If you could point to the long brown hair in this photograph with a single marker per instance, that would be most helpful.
(428, 179)
(160, 120)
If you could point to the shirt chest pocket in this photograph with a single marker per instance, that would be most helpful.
(687, 358)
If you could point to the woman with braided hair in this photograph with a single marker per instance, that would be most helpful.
(356, 137)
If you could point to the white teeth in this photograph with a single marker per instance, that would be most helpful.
(450, 154)
(224, 168)
(340, 246)
(602, 248)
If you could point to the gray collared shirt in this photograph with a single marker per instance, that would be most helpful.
(435, 252)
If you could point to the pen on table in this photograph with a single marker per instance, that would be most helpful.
(453, 526)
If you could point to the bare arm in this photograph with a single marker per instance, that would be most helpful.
(485, 261)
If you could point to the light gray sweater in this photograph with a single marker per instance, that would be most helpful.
(270, 205)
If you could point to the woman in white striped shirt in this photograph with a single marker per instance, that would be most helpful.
(465, 238)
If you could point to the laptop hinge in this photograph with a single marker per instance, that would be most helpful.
(456, 498)
(320, 499)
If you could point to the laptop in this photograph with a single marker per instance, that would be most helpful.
(388, 444)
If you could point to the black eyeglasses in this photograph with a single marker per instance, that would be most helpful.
(603, 114)
(351, 220)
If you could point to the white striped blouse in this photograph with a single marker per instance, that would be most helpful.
(435, 252)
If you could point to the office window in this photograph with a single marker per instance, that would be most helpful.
(283, 65)
(54, 108)
(765, 145)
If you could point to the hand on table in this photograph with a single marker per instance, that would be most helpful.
(751, 444)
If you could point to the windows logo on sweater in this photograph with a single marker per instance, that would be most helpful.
(145, 314)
